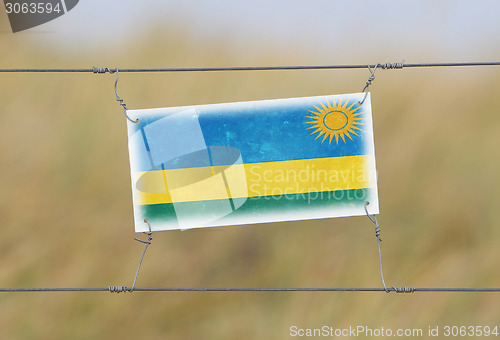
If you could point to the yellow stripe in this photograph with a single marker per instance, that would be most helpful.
(253, 180)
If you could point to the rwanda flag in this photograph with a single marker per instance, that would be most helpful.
(252, 162)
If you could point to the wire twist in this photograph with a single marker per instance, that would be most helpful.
(368, 82)
(374, 220)
(385, 66)
(122, 289)
(120, 100)
(147, 242)
(379, 239)
(404, 289)
(117, 289)
(102, 70)
(392, 66)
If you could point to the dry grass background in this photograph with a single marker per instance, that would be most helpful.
(66, 208)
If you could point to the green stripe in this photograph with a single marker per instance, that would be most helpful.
(264, 205)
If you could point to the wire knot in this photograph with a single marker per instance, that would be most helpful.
(402, 289)
(147, 233)
(368, 82)
(148, 241)
(118, 289)
(374, 220)
(103, 70)
(392, 66)
(120, 100)
(378, 232)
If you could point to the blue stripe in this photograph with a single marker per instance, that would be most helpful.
(267, 131)
(269, 134)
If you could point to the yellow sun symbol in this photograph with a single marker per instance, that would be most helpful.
(335, 120)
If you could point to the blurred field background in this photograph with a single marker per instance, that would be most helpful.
(66, 207)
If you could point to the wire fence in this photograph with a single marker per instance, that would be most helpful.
(371, 67)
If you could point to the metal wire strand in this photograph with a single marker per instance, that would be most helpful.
(118, 99)
(147, 242)
(369, 82)
(377, 235)
(250, 68)
(120, 289)
(102, 70)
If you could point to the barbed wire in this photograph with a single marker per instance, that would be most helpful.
(398, 65)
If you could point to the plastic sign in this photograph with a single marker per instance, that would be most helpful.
(252, 162)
